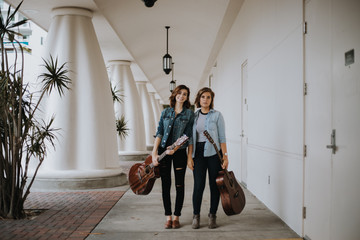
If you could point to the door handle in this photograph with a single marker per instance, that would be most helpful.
(333, 142)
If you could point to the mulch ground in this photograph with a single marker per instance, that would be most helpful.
(64, 215)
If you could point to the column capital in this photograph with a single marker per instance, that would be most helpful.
(141, 82)
(119, 62)
(62, 11)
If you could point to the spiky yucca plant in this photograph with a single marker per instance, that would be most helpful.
(117, 94)
(121, 127)
(121, 123)
(23, 138)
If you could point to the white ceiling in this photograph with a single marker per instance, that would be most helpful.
(128, 30)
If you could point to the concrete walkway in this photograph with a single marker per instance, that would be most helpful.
(142, 217)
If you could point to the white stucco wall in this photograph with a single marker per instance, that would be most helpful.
(268, 34)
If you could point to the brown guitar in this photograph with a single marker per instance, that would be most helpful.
(142, 176)
(232, 196)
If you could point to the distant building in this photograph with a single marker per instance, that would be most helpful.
(32, 40)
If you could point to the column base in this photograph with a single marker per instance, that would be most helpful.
(63, 180)
(133, 155)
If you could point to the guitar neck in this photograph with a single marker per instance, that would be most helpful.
(207, 135)
(175, 146)
(163, 155)
(217, 150)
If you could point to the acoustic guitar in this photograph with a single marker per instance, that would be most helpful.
(232, 195)
(142, 176)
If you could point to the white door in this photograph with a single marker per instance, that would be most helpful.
(318, 124)
(345, 207)
(244, 117)
(332, 192)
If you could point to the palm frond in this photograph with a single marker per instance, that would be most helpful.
(117, 94)
(121, 127)
(18, 24)
(6, 27)
(41, 134)
(55, 77)
(10, 17)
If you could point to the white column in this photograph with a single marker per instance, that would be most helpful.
(160, 105)
(134, 144)
(86, 146)
(156, 108)
(148, 111)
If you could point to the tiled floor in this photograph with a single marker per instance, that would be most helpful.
(68, 215)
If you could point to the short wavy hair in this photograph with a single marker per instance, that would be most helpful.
(176, 91)
(201, 92)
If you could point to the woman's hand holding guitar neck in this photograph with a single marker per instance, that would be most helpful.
(154, 158)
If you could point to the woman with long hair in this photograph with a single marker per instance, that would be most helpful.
(175, 121)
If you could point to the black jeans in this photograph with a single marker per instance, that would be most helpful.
(201, 164)
(180, 162)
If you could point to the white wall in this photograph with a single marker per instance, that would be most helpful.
(267, 33)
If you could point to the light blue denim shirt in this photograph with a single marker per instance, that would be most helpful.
(215, 125)
(182, 125)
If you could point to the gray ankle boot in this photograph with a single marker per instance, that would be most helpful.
(196, 221)
(212, 221)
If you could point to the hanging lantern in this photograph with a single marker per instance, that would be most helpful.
(167, 59)
(172, 84)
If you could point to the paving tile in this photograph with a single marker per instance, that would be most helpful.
(68, 215)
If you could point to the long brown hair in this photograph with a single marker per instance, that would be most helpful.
(176, 91)
(200, 92)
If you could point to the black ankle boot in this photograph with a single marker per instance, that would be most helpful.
(212, 221)
(196, 221)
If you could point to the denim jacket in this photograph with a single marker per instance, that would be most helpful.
(215, 125)
(182, 125)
